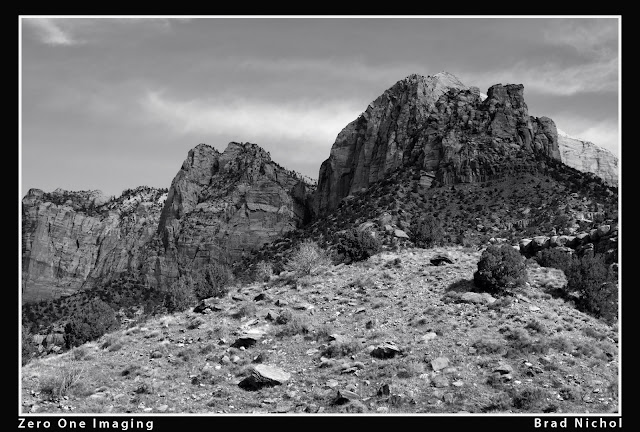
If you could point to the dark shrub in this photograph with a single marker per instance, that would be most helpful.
(555, 258)
(357, 245)
(597, 285)
(179, 296)
(427, 232)
(211, 282)
(500, 268)
(94, 319)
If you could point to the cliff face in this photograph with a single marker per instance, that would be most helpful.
(439, 125)
(219, 207)
(222, 205)
(72, 239)
(588, 157)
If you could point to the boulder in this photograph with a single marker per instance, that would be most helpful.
(400, 234)
(262, 375)
(386, 350)
(441, 259)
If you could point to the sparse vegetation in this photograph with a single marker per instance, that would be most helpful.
(307, 257)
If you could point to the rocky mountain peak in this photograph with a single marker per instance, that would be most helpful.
(439, 126)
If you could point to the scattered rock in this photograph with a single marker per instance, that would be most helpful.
(429, 336)
(264, 376)
(400, 234)
(441, 259)
(477, 298)
(439, 363)
(386, 350)
(440, 381)
(345, 396)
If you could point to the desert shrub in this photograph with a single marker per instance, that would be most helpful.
(213, 281)
(295, 324)
(59, 384)
(596, 285)
(263, 272)
(179, 296)
(355, 245)
(29, 348)
(341, 349)
(500, 268)
(427, 232)
(94, 319)
(529, 399)
(307, 257)
(554, 258)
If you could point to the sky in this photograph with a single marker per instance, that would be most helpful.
(112, 103)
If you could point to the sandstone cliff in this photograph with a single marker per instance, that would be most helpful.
(72, 239)
(588, 157)
(219, 207)
(438, 124)
(223, 205)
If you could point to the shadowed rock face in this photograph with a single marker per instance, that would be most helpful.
(588, 157)
(71, 239)
(440, 125)
(222, 205)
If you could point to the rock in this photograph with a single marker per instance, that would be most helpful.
(383, 390)
(587, 157)
(503, 368)
(262, 375)
(429, 336)
(439, 363)
(534, 309)
(440, 381)
(386, 350)
(477, 298)
(162, 408)
(441, 259)
(400, 234)
(603, 230)
(524, 245)
(156, 354)
(345, 396)
(540, 242)
(261, 296)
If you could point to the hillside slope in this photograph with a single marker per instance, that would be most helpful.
(327, 334)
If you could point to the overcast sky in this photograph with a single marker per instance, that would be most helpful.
(115, 103)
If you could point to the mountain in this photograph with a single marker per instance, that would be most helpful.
(219, 206)
(588, 157)
(440, 126)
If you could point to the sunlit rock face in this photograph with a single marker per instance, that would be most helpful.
(452, 132)
(585, 156)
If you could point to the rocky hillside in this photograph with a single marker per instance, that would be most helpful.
(588, 157)
(70, 240)
(393, 334)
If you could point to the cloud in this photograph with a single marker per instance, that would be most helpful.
(251, 120)
(593, 37)
(50, 31)
(555, 79)
(73, 31)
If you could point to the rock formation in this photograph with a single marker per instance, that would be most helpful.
(223, 205)
(219, 206)
(71, 239)
(588, 157)
(438, 124)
